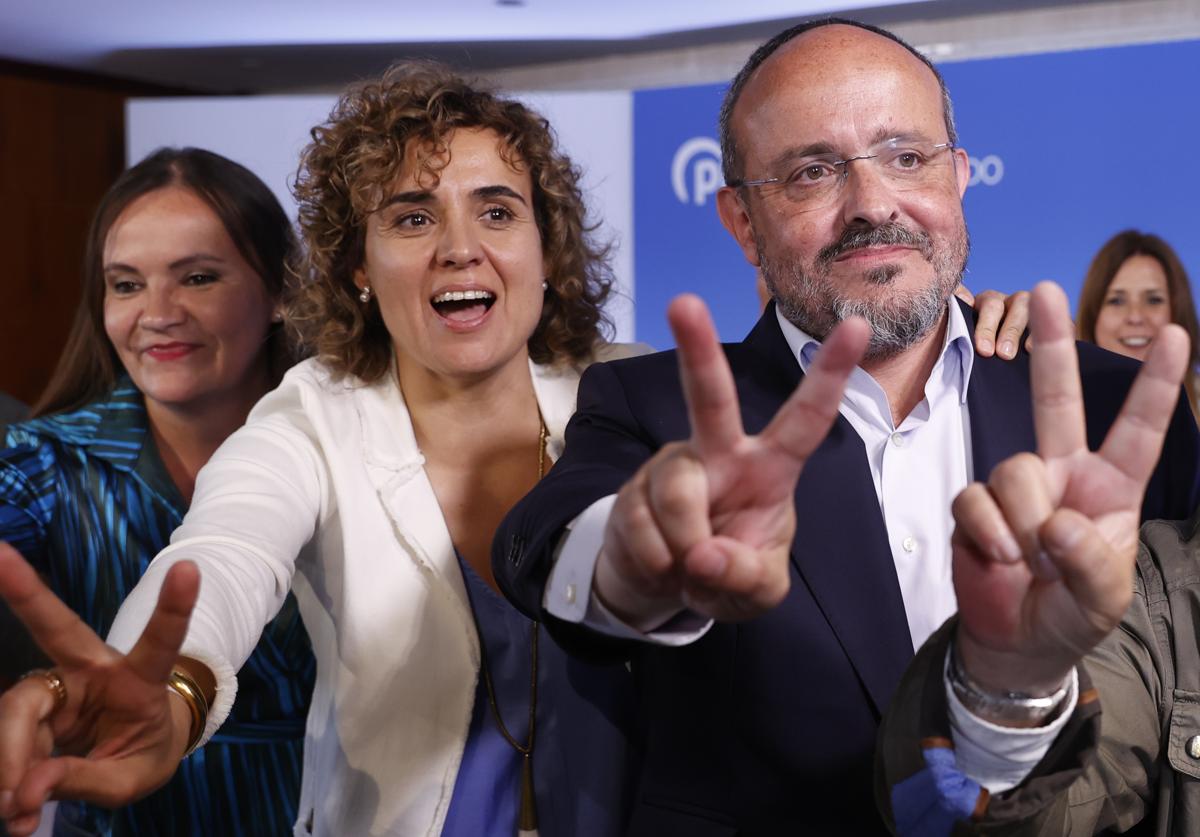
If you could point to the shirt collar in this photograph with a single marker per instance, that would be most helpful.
(113, 426)
(957, 344)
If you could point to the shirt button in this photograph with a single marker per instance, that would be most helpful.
(910, 544)
(898, 439)
(1193, 746)
(570, 594)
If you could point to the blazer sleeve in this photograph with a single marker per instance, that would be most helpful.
(605, 445)
(1174, 489)
(257, 504)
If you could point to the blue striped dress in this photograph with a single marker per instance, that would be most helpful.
(86, 499)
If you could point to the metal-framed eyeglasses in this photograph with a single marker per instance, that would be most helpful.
(815, 180)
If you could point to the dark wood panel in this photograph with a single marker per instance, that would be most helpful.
(61, 146)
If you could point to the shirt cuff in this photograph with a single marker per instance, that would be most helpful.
(569, 596)
(999, 758)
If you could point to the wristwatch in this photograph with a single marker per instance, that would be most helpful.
(1005, 708)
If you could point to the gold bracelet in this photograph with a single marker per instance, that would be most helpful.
(183, 685)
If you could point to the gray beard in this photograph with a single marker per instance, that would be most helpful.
(898, 320)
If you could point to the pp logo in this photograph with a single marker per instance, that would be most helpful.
(705, 170)
(987, 170)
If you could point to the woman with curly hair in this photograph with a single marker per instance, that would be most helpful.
(450, 297)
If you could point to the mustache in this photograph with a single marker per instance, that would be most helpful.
(884, 235)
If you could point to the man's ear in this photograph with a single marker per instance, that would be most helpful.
(736, 218)
(962, 170)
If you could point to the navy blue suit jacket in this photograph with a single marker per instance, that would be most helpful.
(767, 727)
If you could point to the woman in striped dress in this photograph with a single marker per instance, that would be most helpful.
(177, 336)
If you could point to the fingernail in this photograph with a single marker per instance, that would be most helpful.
(1006, 550)
(1006, 348)
(1044, 568)
(985, 344)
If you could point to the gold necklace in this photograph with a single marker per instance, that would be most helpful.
(527, 808)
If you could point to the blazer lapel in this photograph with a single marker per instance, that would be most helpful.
(395, 467)
(841, 550)
(1000, 407)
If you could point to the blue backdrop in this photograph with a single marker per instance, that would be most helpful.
(1066, 148)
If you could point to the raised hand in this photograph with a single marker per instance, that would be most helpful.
(117, 735)
(707, 524)
(1044, 553)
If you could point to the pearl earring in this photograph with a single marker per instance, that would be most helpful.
(365, 296)
(545, 285)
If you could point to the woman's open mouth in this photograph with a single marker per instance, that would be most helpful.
(1134, 342)
(463, 306)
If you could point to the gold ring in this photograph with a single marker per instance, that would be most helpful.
(54, 682)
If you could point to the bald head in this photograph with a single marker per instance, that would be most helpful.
(799, 55)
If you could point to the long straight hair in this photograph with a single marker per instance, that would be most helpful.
(89, 366)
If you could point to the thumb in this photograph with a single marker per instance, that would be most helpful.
(106, 783)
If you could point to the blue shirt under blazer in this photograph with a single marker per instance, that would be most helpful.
(768, 727)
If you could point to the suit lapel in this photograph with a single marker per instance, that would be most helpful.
(841, 551)
(395, 467)
(1000, 408)
(842, 554)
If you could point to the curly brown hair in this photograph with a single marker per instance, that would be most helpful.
(360, 150)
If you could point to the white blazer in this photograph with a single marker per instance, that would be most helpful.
(324, 492)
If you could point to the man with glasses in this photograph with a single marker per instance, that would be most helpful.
(763, 530)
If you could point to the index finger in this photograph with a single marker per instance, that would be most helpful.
(707, 382)
(154, 654)
(54, 626)
(805, 418)
(1058, 416)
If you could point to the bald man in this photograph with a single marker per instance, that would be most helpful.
(762, 529)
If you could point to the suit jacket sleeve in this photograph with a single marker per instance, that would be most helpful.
(605, 445)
